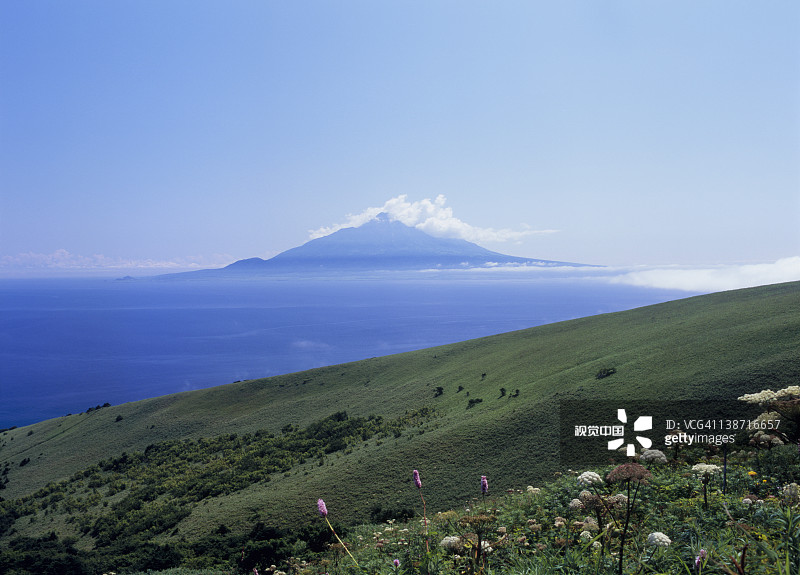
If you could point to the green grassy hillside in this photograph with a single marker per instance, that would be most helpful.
(717, 346)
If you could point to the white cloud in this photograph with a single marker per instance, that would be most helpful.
(430, 216)
(64, 261)
(715, 278)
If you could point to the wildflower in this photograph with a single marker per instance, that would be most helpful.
(586, 535)
(534, 490)
(418, 483)
(791, 494)
(658, 539)
(452, 543)
(396, 563)
(587, 478)
(747, 501)
(323, 511)
(484, 485)
(628, 472)
(790, 392)
(590, 524)
(752, 473)
(576, 505)
(620, 499)
(706, 469)
(559, 522)
(760, 398)
(700, 557)
(653, 456)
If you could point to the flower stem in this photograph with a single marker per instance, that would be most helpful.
(342, 542)
(425, 521)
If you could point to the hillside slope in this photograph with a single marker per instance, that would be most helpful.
(717, 346)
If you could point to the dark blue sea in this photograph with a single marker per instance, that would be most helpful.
(68, 344)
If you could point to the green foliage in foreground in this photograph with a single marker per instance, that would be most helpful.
(121, 508)
(748, 523)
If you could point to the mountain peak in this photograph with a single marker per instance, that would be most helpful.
(384, 243)
(382, 217)
(381, 244)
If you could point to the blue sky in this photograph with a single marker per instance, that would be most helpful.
(151, 134)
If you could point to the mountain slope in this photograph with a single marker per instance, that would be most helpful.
(706, 348)
(378, 245)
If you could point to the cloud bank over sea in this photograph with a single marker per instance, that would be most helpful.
(63, 262)
(698, 279)
(713, 278)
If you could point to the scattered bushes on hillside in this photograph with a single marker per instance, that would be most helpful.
(605, 372)
(154, 490)
(572, 525)
(644, 516)
(97, 407)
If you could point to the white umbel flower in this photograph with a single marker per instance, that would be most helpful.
(658, 539)
(587, 478)
(791, 392)
(759, 398)
(706, 469)
(452, 543)
(653, 456)
(576, 505)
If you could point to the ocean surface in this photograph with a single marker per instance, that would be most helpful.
(70, 344)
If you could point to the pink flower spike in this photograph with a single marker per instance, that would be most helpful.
(484, 485)
(396, 562)
(700, 557)
(417, 481)
(323, 511)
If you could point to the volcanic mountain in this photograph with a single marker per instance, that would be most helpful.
(378, 245)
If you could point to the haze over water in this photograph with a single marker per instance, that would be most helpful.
(68, 344)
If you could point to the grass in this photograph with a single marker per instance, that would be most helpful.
(710, 347)
(561, 525)
(547, 532)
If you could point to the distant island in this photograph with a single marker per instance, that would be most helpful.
(381, 244)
